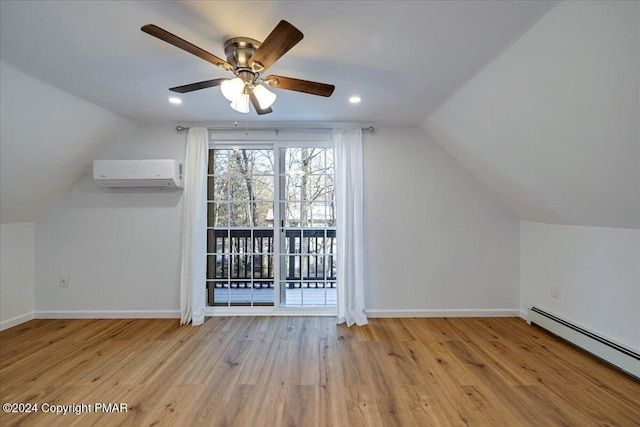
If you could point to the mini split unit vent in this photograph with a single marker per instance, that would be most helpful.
(160, 173)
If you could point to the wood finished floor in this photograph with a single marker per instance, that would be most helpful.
(306, 371)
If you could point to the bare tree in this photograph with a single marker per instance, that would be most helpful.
(244, 182)
(242, 160)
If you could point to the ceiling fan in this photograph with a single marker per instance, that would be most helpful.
(248, 59)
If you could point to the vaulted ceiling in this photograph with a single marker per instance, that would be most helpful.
(404, 58)
(538, 100)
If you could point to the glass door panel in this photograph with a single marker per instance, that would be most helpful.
(240, 249)
(307, 229)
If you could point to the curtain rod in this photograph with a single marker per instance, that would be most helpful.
(276, 129)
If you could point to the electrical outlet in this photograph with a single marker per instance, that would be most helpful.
(63, 281)
(555, 291)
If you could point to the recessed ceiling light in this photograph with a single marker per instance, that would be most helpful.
(175, 100)
(355, 99)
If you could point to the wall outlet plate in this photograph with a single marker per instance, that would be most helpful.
(63, 281)
(555, 291)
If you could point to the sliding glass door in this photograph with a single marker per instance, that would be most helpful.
(271, 228)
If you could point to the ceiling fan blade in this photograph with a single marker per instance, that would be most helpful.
(283, 37)
(289, 83)
(256, 105)
(185, 45)
(197, 86)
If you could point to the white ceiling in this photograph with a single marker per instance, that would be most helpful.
(403, 58)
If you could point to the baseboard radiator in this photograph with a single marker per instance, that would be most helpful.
(613, 353)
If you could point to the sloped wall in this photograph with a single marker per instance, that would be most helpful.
(551, 126)
(47, 140)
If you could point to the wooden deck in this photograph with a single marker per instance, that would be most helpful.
(297, 297)
(308, 371)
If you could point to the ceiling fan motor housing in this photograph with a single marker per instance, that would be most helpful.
(239, 50)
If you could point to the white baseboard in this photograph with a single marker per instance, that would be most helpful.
(15, 321)
(175, 314)
(499, 312)
(108, 314)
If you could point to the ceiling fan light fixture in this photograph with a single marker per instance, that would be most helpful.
(247, 59)
(232, 89)
(241, 104)
(265, 97)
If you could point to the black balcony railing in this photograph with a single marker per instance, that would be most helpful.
(240, 257)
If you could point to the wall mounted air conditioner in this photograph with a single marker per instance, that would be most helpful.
(157, 173)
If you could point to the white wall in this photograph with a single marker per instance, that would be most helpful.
(597, 270)
(438, 243)
(17, 266)
(551, 126)
(120, 248)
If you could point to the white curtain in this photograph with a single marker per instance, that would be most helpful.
(349, 172)
(194, 228)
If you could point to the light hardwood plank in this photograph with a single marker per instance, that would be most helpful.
(307, 371)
